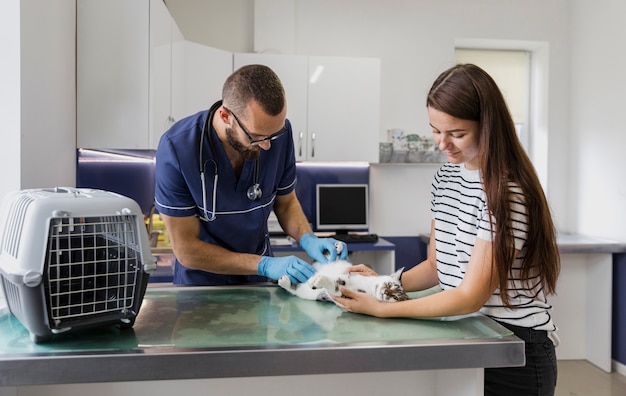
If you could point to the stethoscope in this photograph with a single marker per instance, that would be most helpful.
(253, 192)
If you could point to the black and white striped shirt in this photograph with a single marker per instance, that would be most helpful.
(460, 212)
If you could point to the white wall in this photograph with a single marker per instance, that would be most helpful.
(48, 105)
(598, 118)
(37, 99)
(400, 198)
(10, 96)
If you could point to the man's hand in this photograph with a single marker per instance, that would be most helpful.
(295, 269)
(323, 250)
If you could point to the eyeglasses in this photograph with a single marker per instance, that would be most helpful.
(253, 141)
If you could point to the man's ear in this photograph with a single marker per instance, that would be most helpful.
(223, 115)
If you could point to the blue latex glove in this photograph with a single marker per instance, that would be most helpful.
(296, 269)
(323, 250)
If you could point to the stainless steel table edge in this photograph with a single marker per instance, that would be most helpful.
(177, 364)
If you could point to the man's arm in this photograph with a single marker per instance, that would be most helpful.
(290, 215)
(193, 253)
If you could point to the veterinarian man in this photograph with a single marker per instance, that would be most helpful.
(219, 174)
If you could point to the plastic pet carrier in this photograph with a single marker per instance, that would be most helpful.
(72, 258)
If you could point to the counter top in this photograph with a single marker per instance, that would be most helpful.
(221, 332)
(576, 244)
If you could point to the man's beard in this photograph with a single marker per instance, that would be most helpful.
(247, 153)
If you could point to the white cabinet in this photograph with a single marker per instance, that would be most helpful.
(164, 38)
(112, 66)
(293, 73)
(198, 77)
(136, 74)
(333, 104)
(344, 108)
(190, 80)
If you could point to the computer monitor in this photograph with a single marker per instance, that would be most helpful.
(342, 207)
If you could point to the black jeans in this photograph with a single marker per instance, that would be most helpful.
(536, 378)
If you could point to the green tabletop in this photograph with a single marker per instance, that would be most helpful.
(215, 321)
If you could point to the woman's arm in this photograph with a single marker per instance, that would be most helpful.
(477, 286)
(424, 275)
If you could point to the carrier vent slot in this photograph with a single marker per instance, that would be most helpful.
(13, 227)
(13, 298)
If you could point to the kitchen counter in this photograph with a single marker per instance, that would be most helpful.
(576, 243)
(253, 331)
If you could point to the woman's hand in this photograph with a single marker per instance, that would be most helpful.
(362, 269)
(358, 302)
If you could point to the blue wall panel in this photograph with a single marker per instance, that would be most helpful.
(127, 172)
(619, 308)
(410, 251)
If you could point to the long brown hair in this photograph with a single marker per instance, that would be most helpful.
(467, 92)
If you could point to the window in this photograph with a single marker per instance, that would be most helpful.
(511, 71)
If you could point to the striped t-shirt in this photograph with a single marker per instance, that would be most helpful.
(460, 212)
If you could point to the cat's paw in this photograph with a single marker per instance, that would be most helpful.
(316, 281)
(319, 281)
(285, 283)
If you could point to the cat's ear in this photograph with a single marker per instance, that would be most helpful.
(396, 275)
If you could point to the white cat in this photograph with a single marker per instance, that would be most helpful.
(331, 277)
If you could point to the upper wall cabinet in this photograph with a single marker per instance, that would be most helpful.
(198, 77)
(112, 66)
(136, 75)
(165, 39)
(333, 104)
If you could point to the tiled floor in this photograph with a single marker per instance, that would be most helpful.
(581, 378)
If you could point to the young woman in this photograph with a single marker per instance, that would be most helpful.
(492, 242)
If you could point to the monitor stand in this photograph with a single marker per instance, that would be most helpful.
(345, 236)
(340, 233)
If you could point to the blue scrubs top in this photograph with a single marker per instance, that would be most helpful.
(240, 224)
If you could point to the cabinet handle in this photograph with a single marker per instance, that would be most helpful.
(312, 144)
(300, 144)
(170, 121)
(167, 124)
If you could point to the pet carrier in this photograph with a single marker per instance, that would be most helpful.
(72, 258)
